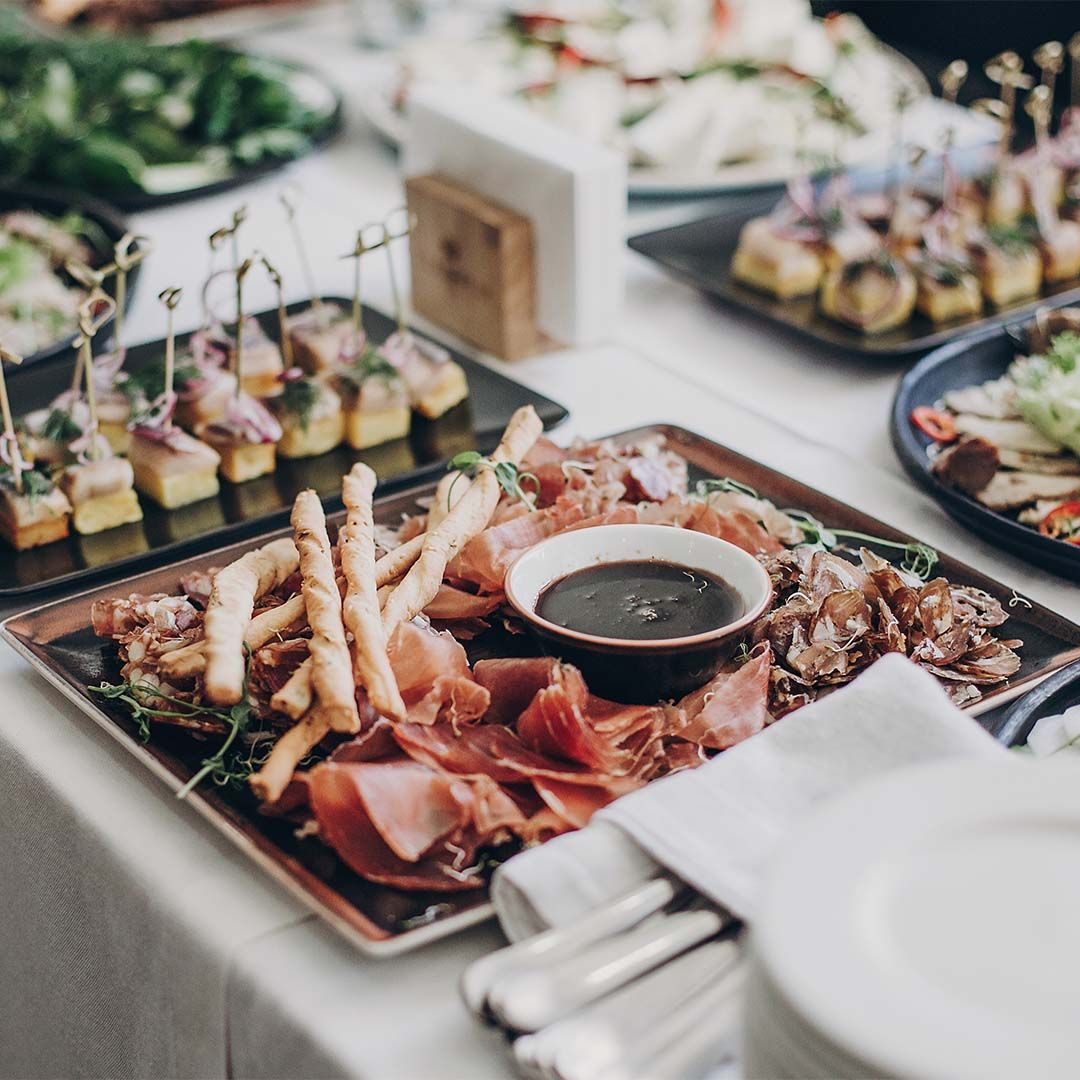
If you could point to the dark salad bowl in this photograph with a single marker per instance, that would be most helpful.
(107, 226)
(964, 363)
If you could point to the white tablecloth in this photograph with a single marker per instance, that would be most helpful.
(134, 942)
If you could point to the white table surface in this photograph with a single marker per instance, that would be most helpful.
(134, 941)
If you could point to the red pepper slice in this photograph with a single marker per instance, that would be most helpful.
(934, 423)
(1063, 523)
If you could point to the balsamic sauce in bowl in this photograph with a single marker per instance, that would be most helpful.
(640, 600)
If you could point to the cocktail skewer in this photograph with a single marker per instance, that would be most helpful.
(996, 109)
(170, 298)
(129, 251)
(94, 312)
(92, 280)
(283, 318)
(12, 440)
(390, 235)
(229, 232)
(952, 78)
(301, 249)
(360, 249)
(1039, 106)
(238, 353)
(1007, 71)
(1049, 59)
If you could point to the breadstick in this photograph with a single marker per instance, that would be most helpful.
(361, 606)
(270, 781)
(453, 483)
(469, 517)
(331, 669)
(228, 613)
(187, 662)
(295, 697)
(394, 563)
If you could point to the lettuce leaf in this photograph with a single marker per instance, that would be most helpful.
(1048, 390)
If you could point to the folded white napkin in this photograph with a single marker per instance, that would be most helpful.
(716, 827)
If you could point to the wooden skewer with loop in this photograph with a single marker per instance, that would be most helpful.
(362, 246)
(10, 438)
(951, 79)
(92, 279)
(129, 251)
(390, 233)
(1006, 70)
(288, 200)
(283, 318)
(94, 312)
(229, 232)
(998, 111)
(1050, 60)
(238, 353)
(170, 298)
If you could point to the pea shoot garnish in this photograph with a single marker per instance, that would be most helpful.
(510, 477)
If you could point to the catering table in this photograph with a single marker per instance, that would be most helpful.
(134, 942)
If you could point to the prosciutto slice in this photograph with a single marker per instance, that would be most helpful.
(730, 708)
(432, 673)
(556, 724)
(345, 824)
(451, 604)
(512, 684)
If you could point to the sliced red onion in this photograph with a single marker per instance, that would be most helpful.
(352, 347)
(156, 423)
(293, 374)
(247, 420)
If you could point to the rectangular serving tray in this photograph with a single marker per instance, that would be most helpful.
(58, 641)
(700, 252)
(261, 504)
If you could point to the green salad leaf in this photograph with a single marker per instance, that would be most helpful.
(1048, 390)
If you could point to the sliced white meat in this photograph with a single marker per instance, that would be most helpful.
(995, 400)
(1007, 434)
(1063, 465)
(1010, 490)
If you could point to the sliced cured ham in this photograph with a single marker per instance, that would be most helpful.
(451, 604)
(556, 724)
(345, 825)
(455, 698)
(512, 684)
(730, 708)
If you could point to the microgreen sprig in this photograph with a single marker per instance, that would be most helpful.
(138, 695)
(705, 488)
(510, 477)
(919, 559)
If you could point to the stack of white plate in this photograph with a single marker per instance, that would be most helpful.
(926, 925)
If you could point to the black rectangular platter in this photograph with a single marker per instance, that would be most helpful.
(242, 509)
(700, 252)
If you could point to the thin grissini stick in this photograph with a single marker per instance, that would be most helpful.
(228, 613)
(187, 662)
(296, 696)
(361, 605)
(469, 517)
(395, 563)
(440, 504)
(331, 668)
(270, 781)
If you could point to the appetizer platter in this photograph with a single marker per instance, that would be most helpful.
(929, 258)
(45, 235)
(115, 460)
(701, 97)
(184, 119)
(362, 704)
(989, 427)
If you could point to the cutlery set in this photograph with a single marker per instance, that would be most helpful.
(647, 985)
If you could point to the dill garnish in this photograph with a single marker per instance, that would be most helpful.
(299, 397)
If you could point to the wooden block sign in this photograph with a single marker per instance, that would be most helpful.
(473, 266)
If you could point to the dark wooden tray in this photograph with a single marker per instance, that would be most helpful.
(261, 504)
(965, 363)
(701, 251)
(59, 642)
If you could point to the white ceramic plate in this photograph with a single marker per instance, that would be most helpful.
(926, 925)
(391, 125)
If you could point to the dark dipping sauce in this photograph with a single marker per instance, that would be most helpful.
(640, 600)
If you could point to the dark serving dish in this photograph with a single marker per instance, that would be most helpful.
(261, 504)
(292, 73)
(58, 641)
(56, 202)
(1052, 696)
(701, 251)
(958, 364)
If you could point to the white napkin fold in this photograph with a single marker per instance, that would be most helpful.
(716, 827)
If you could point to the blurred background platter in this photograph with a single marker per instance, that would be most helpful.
(143, 124)
(38, 298)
